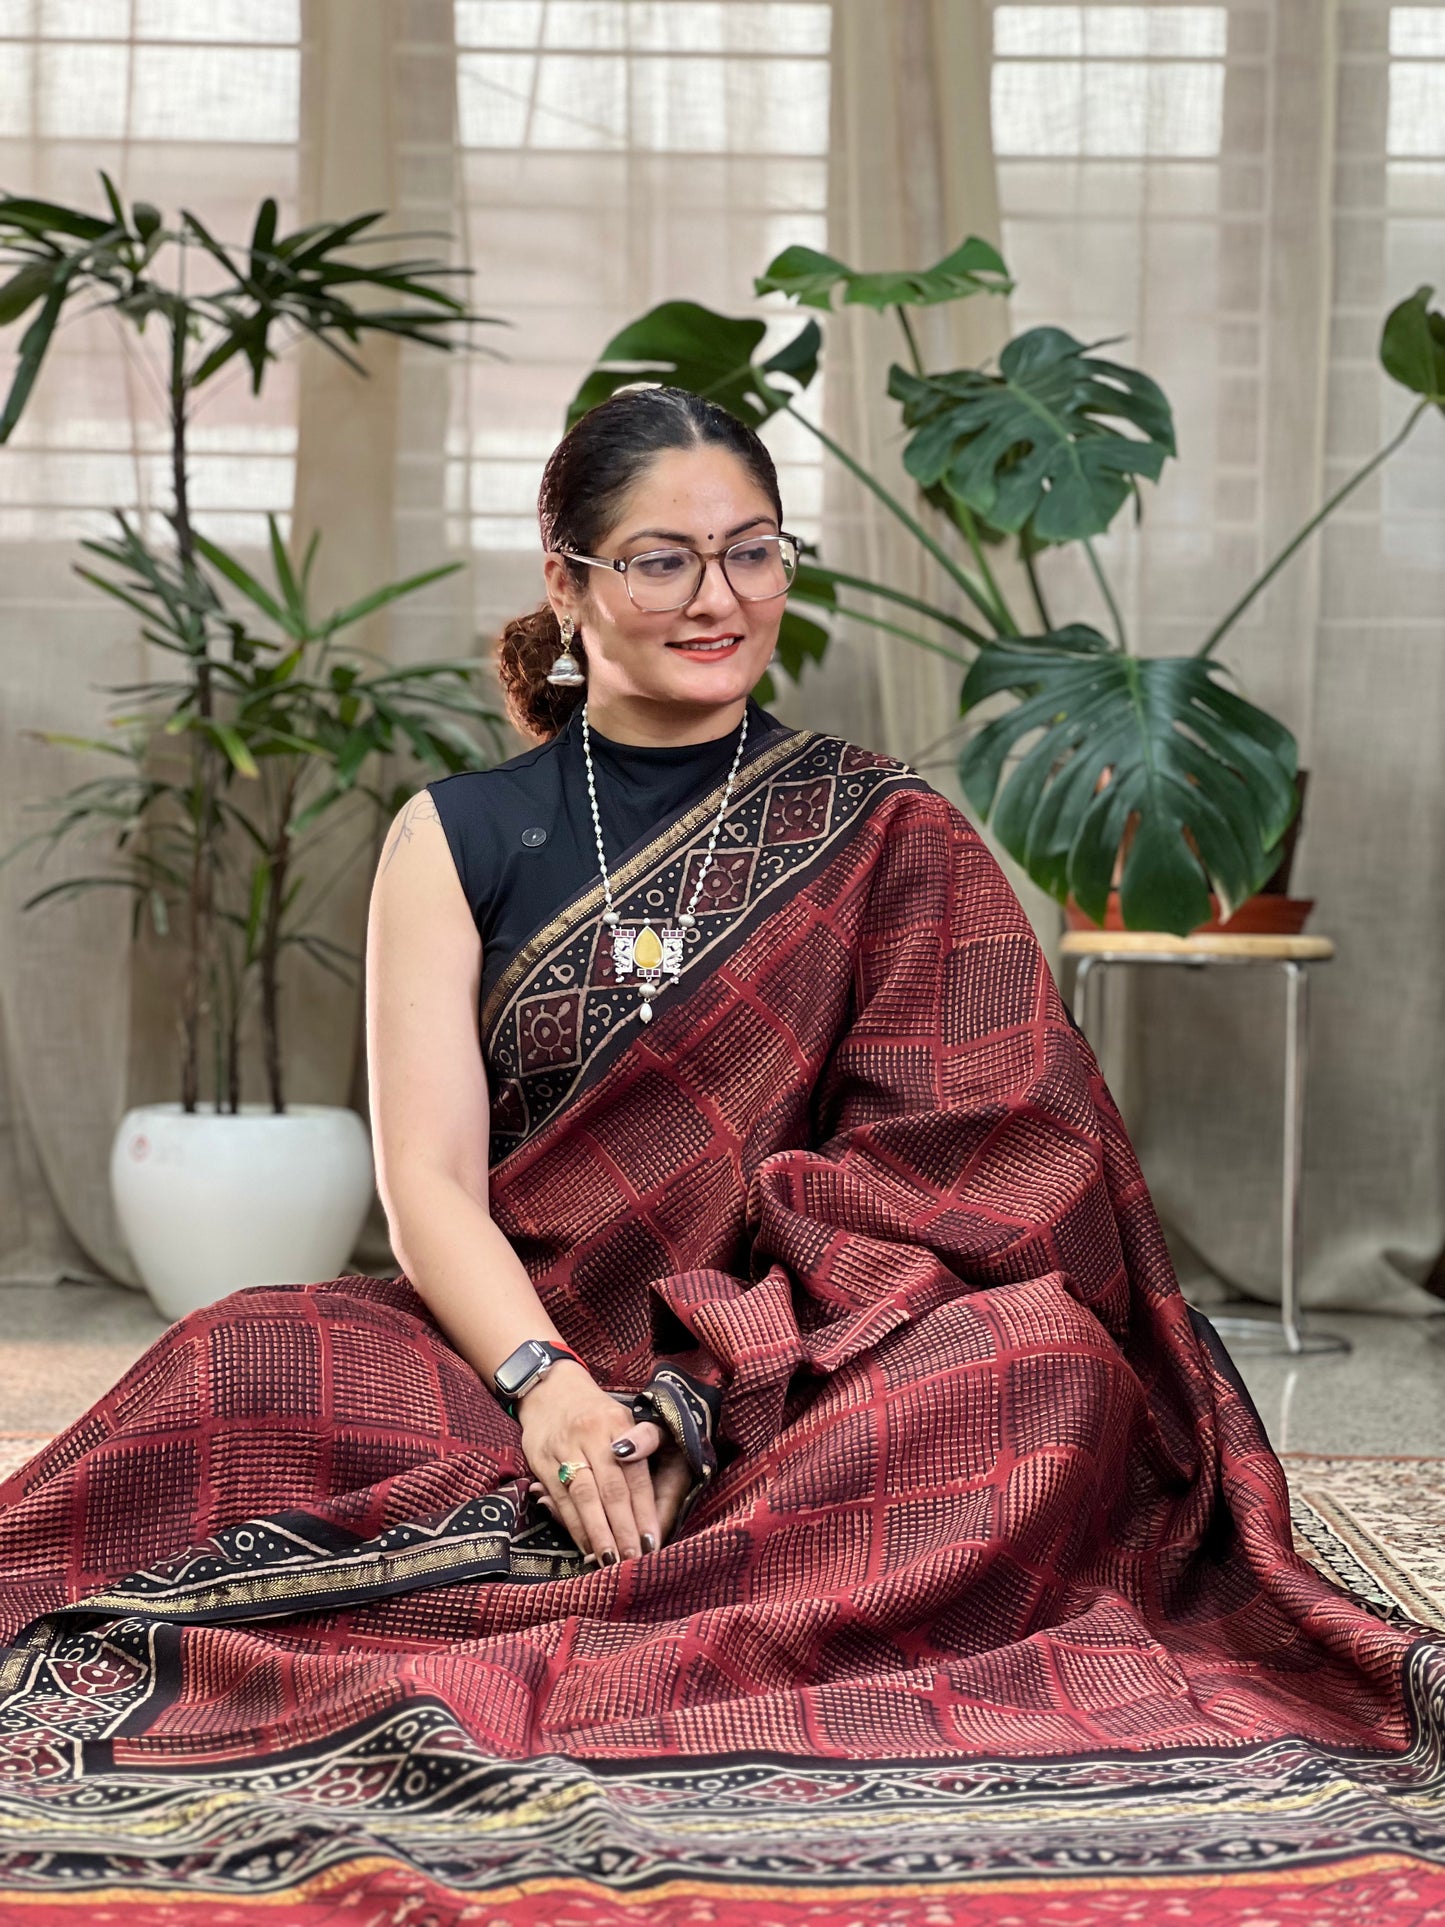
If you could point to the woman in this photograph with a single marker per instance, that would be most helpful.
(787, 1375)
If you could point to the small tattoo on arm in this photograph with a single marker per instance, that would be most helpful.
(421, 809)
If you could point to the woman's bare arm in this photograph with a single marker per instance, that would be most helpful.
(429, 1114)
(429, 1100)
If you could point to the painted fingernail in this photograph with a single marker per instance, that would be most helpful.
(624, 1448)
(609, 1557)
(649, 1544)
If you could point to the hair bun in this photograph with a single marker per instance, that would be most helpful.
(526, 650)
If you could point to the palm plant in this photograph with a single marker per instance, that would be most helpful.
(294, 715)
(1153, 768)
(306, 723)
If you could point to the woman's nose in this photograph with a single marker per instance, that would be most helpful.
(714, 591)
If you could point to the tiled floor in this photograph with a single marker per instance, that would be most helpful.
(62, 1345)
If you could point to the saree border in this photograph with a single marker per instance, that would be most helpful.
(552, 1024)
(592, 897)
(485, 1824)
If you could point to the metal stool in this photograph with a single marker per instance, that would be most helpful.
(1097, 949)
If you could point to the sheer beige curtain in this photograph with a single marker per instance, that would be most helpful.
(586, 158)
(912, 174)
(172, 97)
(1240, 191)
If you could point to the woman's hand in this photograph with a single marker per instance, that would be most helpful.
(609, 1505)
(671, 1483)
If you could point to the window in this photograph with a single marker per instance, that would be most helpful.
(1132, 146)
(191, 102)
(614, 154)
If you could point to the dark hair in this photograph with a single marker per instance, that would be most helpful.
(588, 476)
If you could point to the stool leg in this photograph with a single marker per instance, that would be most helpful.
(1085, 1001)
(1296, 989)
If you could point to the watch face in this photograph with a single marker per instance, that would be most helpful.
(514, 1372)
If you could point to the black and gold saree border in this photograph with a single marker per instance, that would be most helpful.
(297, 1562)
(556, 1019)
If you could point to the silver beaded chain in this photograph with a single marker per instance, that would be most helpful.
(687, 918)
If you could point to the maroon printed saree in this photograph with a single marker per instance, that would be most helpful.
(985, 1600)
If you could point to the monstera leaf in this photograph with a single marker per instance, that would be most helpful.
(689, 346)
(1156, 745)
(1412, 346)
(1035, 440)
(810, 278)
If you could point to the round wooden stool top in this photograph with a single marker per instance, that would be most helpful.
(1221, 948)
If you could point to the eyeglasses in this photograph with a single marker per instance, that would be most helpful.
(756, 569)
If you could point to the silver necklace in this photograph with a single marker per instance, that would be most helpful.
(639, 952)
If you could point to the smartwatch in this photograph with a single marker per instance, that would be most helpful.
(532, 1360)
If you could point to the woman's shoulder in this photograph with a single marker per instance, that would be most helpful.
(840, 755)
(469, 784)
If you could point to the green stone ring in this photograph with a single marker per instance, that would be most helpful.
(568, 1470)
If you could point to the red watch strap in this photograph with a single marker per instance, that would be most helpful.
(565, 1351)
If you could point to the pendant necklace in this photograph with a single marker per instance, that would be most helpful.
(641, 954)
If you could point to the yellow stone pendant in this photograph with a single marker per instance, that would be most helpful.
(647, 950)
(639, 951)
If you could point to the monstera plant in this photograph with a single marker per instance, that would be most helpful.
(1154, 771)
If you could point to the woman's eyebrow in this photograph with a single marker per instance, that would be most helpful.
(675, 535)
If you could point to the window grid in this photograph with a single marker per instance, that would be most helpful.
(191, 101)
(573, 232)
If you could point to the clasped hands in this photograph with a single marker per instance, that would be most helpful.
(631, 1479)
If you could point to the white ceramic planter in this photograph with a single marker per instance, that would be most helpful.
(210, 1203)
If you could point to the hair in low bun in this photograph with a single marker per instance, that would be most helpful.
(526, 650)
(585, 485)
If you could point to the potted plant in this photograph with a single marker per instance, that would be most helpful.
(267, 745)
(1149, 779)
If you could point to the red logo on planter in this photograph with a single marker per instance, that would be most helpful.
(140, 1147)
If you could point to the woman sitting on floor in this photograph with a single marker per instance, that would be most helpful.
(788, 1361)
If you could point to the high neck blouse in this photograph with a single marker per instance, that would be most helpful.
(521, 834)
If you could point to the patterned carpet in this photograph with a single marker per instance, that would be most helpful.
(1375, 1525)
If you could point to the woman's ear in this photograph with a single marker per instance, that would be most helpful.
(562, 591)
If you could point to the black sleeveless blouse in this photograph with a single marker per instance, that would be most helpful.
(521, 834)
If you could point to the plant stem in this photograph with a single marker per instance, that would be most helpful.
(1217, 634)
(908, 335)
(938, 742)
(940, 555)
(1003, 615)
(270, 954)
(233, 1039)
(199, 893)
(1107, 593)
(908, 635)
(916, 603)
(1036, 586)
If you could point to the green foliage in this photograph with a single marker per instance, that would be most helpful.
(689, 346)
(1033, 446)
(1107, 763)
(810, 278)
(258, 739)
(1412, 346)
(1113, 742)
(280, 287)
(302, 722)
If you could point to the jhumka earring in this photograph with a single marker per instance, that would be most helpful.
(566, 672)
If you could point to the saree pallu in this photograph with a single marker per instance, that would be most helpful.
(984, 1605)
